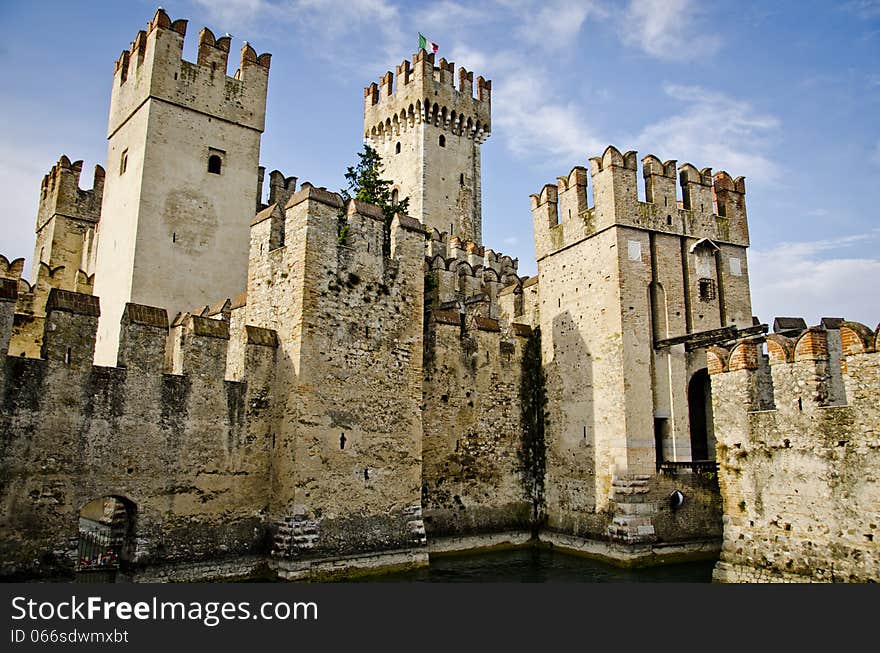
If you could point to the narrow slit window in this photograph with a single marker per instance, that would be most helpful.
(397, 148)
(442, 140)
(123, 161)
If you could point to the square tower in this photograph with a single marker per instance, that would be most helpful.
(182, 168)
(631, 294)
(429, 133)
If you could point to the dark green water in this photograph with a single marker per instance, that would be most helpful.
(535, 565)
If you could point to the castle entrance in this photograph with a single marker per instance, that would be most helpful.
(106, 539)
(700, 413)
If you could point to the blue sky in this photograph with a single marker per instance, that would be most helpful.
(785, 93)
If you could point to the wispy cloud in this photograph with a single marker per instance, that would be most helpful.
(667, 29)
(448, 15)
(715, 130)
(528, 115)
(236, 12)
(816, 278)
(864, 9)
(554, 25)
(22, 167)
(332, 26)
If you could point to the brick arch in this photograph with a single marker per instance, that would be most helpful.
(780, 349)
(856, 338)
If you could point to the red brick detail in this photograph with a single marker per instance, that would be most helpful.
(779, 348)
(716, 359)
(856, 338)
(744, 357)
(811, 345)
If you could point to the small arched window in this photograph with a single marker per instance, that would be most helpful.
(215, 164)
(397, 148)
(442, 140)
(394, 197)
(461, 179)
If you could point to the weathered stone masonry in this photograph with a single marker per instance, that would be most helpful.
(287, 401)
(799, 467)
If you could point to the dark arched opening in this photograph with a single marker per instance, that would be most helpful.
(442, 140)
(700, 413)
(215, 164)
(106, 538)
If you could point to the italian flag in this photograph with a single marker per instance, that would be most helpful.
(425, 44)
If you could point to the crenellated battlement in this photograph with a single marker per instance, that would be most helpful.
(452, 248)
(60, 192)
(800, 370)
(154, 67)
(796, 432)
(428, 94)
(708, 206)
(467, 273)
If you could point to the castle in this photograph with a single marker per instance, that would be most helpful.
(306, 404)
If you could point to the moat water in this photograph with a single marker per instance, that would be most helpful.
(534, 565)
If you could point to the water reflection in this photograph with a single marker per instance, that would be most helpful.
(535, 565)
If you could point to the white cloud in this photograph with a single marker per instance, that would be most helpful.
(336, 29)
(815, 279)
(715, 130)
(864, 9)
(448, 15)
(235, 12)
(22, 169)
(667, 29)
(554, 25)
(527, 115)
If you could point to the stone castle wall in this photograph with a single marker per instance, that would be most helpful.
(188, 449)
(472, 472)
(798, 464)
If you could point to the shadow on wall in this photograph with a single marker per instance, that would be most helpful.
(571, 426)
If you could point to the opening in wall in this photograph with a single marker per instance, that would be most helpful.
(442, 140)
(215, 164)
(123, 161)
(707, 290)
(215, 161)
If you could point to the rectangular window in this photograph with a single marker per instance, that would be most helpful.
(634, 250)
(735, 267)
(707, 290)
(123, 161)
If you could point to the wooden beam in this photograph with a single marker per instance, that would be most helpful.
(701, 339)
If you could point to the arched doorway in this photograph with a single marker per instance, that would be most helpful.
(700, 413)
(106, 538)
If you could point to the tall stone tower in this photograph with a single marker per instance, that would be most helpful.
(429, 134)
(631, 294)
(182, 168)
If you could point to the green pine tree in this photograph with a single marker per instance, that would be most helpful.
(365, 184)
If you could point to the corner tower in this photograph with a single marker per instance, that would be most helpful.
(429, 132)
(182, 168)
